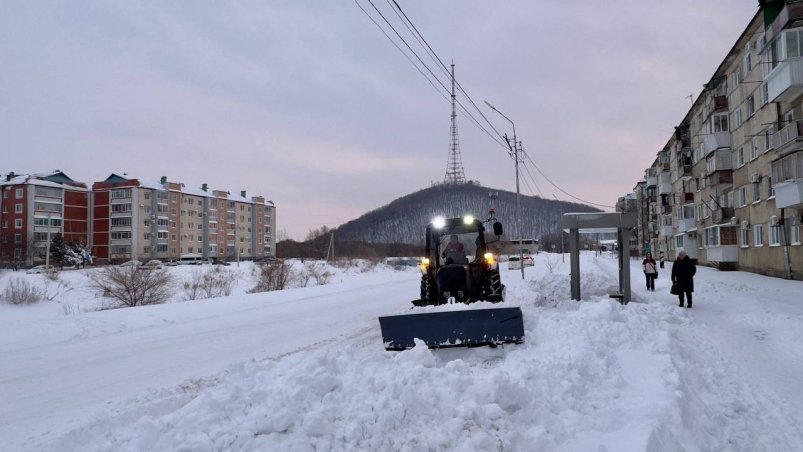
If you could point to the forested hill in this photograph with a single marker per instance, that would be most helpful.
(404, 220)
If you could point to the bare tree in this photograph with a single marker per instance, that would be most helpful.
(272, 276)
(19, 291)
(132, 287)
(212, 283)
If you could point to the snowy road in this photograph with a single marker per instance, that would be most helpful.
(49, 384)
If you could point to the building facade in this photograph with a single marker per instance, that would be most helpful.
(134, 218)
(35, 207)
(728, 185)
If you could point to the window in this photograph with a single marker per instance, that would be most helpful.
(121, 208)
(161, 235)
(125, 235)
(737, 117)
(775, 235)
(751, 105)
(770, 190)
(18, 223)
(679, 241)
(739, 157)
(146, 195)
(756, 192)
(794, 43)
(741, 197)
(5, 224)
(794, 234)
(754, 148)
(17, 208)
(768, 134)
(122, 221)
(758, 235)
(17, 238)
(736, 77)
(765, 94)
(745, 237)
(748, 61)
(719, 123)
(18, 193)
(121, 194)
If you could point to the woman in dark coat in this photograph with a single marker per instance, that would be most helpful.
(683, 270)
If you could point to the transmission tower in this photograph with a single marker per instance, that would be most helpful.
(454, 166)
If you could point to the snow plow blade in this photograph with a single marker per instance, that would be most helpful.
(468, 328)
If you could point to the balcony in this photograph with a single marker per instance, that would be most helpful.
(789, 194)
(720, 177)
(785, 82)
(687, 224)
(664, 183)
(716, 140)
(650, 177)
(723, 253)
(722, 214)
(788, 139)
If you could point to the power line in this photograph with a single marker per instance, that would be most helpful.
(561, 189)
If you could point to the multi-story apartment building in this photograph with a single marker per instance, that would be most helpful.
(35, 207)
(728, 185)
(139, 219)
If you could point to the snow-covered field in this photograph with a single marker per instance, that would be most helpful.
(305, 369)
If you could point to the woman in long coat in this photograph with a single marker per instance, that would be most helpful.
(683, 270)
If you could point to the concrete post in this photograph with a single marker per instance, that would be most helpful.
(574, 249)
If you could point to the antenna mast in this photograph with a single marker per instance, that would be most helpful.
(454, 166)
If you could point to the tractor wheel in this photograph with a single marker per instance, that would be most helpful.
(492, 288)
(429, 293)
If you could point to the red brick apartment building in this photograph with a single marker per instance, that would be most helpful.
(35, 205)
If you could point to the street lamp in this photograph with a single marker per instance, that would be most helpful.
(514, 151)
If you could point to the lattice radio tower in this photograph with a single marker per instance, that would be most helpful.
(454, 166)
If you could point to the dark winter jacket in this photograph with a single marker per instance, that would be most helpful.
(683, 270)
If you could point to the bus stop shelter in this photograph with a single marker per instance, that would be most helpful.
(590, 223)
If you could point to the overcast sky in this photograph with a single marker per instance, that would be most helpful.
(308, 103)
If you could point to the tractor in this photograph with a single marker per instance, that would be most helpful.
(458, 268)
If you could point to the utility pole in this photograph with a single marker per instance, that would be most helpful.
(330, 250)
(514, 152)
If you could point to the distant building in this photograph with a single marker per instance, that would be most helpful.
(134, 218)
(34, 205)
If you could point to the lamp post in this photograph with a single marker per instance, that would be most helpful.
(514, 152)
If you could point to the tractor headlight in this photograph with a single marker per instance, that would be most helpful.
(468, 219)
(424, 265)
(489, 259)
(439, 222)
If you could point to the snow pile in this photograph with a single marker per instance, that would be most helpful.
(592, 375)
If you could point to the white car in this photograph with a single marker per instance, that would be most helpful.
(514, 263)
(153, 264)
(134, 263)
(40, 269)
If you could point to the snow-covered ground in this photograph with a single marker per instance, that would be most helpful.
(305, 369)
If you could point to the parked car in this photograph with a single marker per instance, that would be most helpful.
(220, 262)
(153, 264)
(171, 263)
(133, 263)
(40, 269)
(514, 263)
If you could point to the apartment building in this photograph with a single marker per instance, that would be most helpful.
(34, 207)
(728, 185)
(135, 218)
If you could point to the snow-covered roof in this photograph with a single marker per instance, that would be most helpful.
(40, 180)
(194, 191)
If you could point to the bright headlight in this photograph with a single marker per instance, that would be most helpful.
(439, 222)
(468, 219)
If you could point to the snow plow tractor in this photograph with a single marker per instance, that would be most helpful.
(458, 270)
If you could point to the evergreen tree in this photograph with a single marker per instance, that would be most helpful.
(57, 249)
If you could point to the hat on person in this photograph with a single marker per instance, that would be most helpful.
(681, 252)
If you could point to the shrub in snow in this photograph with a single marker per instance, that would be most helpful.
(130, 287)
(314, 271)
(211, 283)
(272, 276)
(20, 291)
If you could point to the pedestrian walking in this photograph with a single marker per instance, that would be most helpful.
(650, 271)
(683, 270)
